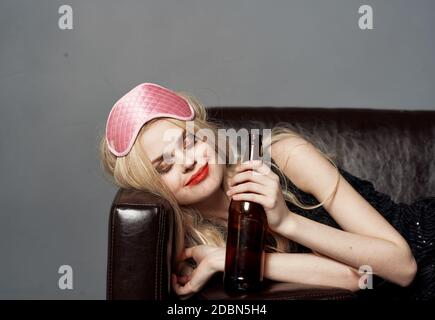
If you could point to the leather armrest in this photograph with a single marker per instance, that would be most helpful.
(140, 246)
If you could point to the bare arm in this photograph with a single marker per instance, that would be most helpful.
(383, 256)
(309, 268)
(366, 239)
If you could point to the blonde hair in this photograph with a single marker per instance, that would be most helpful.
(135, 171)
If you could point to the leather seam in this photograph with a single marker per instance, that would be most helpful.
(157, 260)
(112, 236)
(161, 256)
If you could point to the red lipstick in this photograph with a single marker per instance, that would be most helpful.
(199, 176)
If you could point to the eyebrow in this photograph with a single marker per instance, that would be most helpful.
(160, 159)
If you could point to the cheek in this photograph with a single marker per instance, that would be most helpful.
(219, 171)
(211, 154)
(215, 176)
(173, 182)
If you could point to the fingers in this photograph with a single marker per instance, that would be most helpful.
(183, 279)
(180, 288)
(253, 171)
(248, 186)
(266, 202)
(188, 252)
(249, 164)
(262, 179)
(195, 282)
(257, 165)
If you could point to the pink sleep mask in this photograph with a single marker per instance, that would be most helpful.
(143, 103)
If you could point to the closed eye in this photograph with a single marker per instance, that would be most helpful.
(188, 142)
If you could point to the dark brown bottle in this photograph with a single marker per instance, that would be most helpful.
(247, 223)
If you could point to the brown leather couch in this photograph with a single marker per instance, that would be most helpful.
(392, 148)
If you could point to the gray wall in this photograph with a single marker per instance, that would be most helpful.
(57, 87)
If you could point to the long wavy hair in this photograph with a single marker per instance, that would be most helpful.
(135, 171)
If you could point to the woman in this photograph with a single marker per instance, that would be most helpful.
(352, 228)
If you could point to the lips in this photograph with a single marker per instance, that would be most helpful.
(199, 175)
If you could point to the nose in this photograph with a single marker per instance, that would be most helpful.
(186, 158)
(190, 159)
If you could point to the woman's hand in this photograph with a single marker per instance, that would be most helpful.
(256, 182)
(208, 259)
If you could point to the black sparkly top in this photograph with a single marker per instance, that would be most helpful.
(414, 221)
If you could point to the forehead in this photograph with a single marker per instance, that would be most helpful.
(153, 137)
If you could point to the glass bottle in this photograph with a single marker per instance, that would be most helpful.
(247, 222)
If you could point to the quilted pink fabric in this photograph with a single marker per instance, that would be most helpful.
(143, 103)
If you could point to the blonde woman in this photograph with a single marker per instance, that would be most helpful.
(324, 224)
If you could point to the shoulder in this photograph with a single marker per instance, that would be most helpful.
(303, 164)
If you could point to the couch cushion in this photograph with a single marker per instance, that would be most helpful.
(394, 149)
